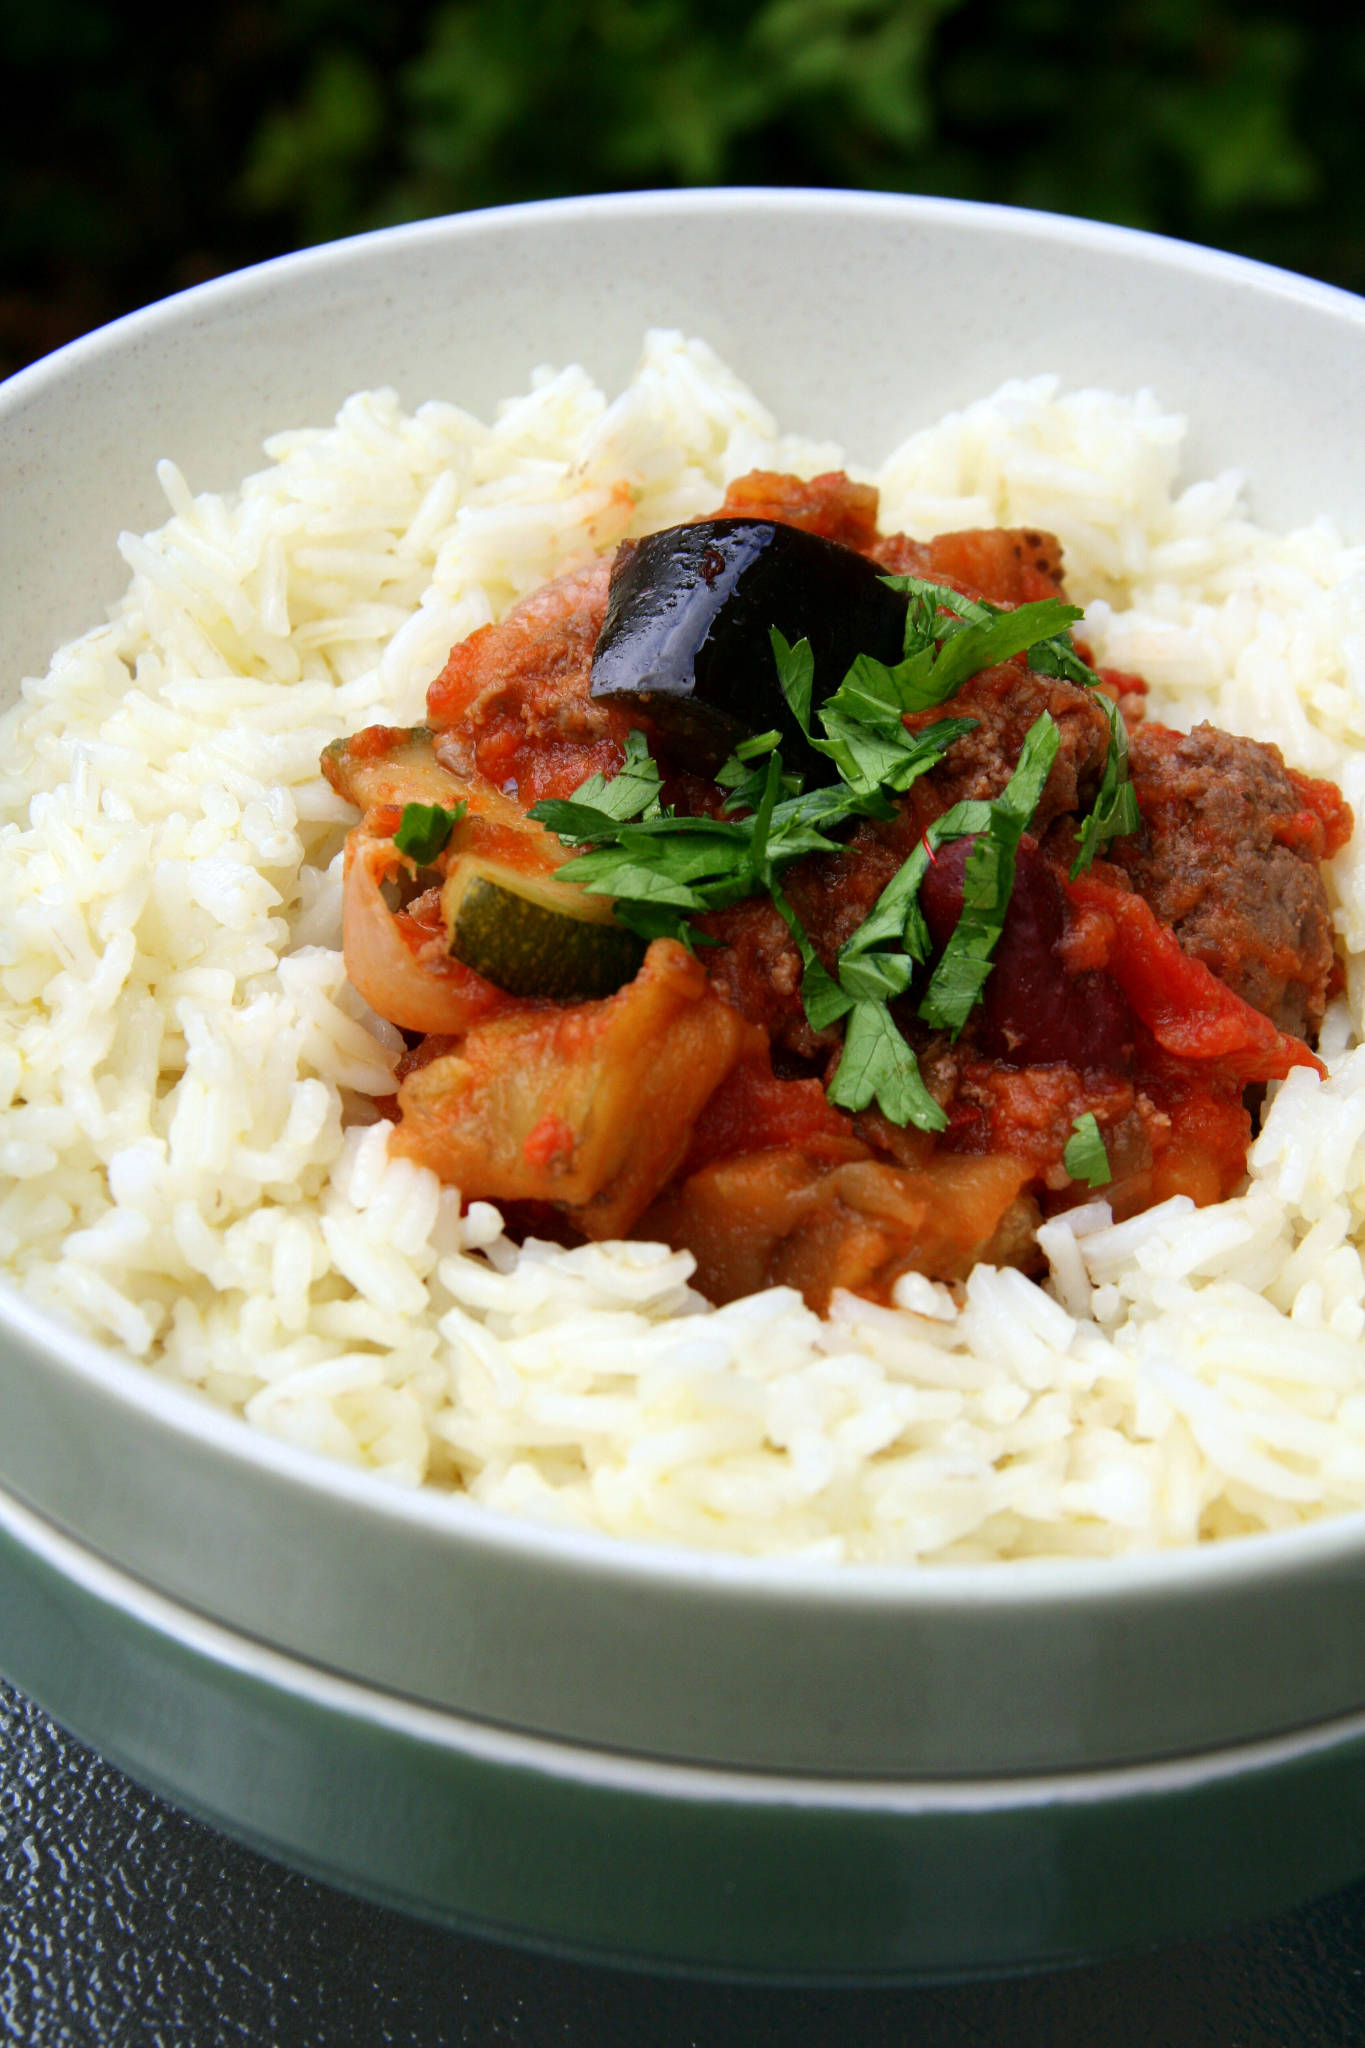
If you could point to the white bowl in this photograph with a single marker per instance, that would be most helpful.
(857, 317)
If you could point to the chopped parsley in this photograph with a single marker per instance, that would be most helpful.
(424, 829)
(629, 794)
(972, 635)
(1084, 1156)
(1115, 809)
(663, 870)
(987, 883)
(877, 1063)
(950, 638)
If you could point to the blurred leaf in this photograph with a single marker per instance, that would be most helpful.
(867, 54)
(1232, 127)
(312, 157)
(134, 162)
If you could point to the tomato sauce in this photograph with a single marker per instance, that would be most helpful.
(1154, 992)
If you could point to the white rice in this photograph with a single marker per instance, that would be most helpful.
(194, 1168)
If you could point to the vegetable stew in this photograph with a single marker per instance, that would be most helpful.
(803, 896)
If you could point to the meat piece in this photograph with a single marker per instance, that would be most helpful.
(833, 893)
(1006, 701)
(1006, 565)
(756, 965)
(1190, 1012)
(1030, 1112)
(1228, 858)
(512, 702)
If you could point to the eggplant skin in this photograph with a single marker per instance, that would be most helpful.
(685, 638)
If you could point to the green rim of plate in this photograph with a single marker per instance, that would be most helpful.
(610, 1858)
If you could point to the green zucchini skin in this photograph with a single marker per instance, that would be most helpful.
(529, 949)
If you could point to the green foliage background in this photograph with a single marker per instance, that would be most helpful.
(138, 158)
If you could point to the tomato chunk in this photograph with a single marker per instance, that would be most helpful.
(1184, 1005)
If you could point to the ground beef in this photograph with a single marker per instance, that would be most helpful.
(832, 894)
(1228, 857)
(755, 964)
(513, 700)
(1005, 701)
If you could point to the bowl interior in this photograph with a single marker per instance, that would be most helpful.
(858, 318)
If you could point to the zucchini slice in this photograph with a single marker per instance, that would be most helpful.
(534, 936)
(389, 764)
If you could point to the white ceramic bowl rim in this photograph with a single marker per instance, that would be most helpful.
(1053, 227)
(182, 1413)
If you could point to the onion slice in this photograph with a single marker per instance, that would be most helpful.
(398, 964)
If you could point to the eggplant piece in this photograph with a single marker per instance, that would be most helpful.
(685, 638)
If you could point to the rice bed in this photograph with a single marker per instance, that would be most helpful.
(194, 1167)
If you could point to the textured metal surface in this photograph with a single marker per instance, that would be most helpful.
(125, 1922)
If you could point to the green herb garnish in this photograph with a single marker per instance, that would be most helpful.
(876, 1062)
(943, 652)
(972, 635)
(1084, 1156)
(987, 883)
(424, 829)
(1115, 809)
(635, 789)
(663, 870)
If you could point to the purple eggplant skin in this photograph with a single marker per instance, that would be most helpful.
(686, 635)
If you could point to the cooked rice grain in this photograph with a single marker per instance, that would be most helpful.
(194, 1166)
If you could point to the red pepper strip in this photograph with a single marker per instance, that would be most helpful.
(1187, 1009)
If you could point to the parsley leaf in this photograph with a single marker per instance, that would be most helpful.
(949, 651)
(895, 916)
(746, 782)
(864, 734)
(987, 883)
(821, 996)
(632, 791)
(877, 1063)
(424, 829)
(1115, 809)
(972, 636)
(1084, 1156)
(796, 674)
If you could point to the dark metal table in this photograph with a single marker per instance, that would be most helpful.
(127, 1922)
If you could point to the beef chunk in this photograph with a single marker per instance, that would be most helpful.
(1006, 701)
(1224, 860)
(756, 965)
